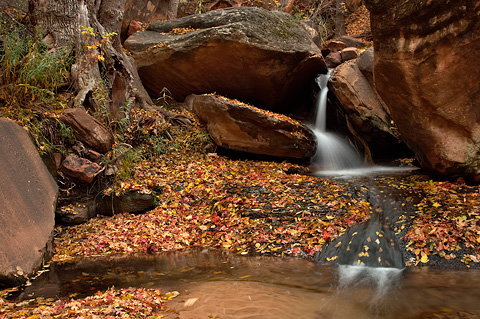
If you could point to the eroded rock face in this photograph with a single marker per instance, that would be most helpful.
(88, 129)
(245, 128)
(426, 74)
(367, 116)
(264, 58)
(28, 196)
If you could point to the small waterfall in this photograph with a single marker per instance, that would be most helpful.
(333, 152)
(369, 254)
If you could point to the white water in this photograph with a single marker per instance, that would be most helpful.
(335, 156)
(381, 279)
(333, 152)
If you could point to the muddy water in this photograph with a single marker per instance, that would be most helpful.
(217, 285)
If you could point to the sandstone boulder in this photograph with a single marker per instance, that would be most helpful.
(368, 118)
(365, 64)
(88, 129)
(80, 168)
(76, 213)
(333, 46)
(425, 71)
(242, 127)
(349, 53)
(264, 58)
(333, 59)
(133, 27)
(129, 202)
(352, 42)
(28, 196)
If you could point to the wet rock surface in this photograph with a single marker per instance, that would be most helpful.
(367, 116)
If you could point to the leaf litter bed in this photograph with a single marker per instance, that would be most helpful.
(248, 207)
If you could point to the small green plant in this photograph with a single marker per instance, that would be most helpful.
(200, 7)
(165, 96)
(66, 132)
(158, 146)
(127, 164)
(101, 95)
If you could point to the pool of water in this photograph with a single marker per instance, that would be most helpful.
(219, 285)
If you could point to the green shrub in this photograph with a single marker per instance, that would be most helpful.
(30, 73)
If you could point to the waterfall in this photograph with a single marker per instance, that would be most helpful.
(369, 254)
(333, 152)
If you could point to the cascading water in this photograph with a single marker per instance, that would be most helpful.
(369, 254)
(333, 152)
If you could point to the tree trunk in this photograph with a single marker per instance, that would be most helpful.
(101, 65)
(172, 9)
(340, 19)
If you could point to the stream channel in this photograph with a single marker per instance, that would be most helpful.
(214, 284)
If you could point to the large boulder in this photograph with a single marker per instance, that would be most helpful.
(237, 126)
(264, 58)
(28, 196)
(367, 117)
(426, 73)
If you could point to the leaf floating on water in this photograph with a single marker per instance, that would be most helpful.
(377, 241)
(171, 294)
(424, 258)
(190, 302)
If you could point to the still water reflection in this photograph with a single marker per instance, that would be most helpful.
(218, 285)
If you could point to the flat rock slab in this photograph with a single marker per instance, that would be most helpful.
(260, 57)
(28, 196)
(237, 126)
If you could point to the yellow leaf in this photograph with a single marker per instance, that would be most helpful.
(424, 258)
